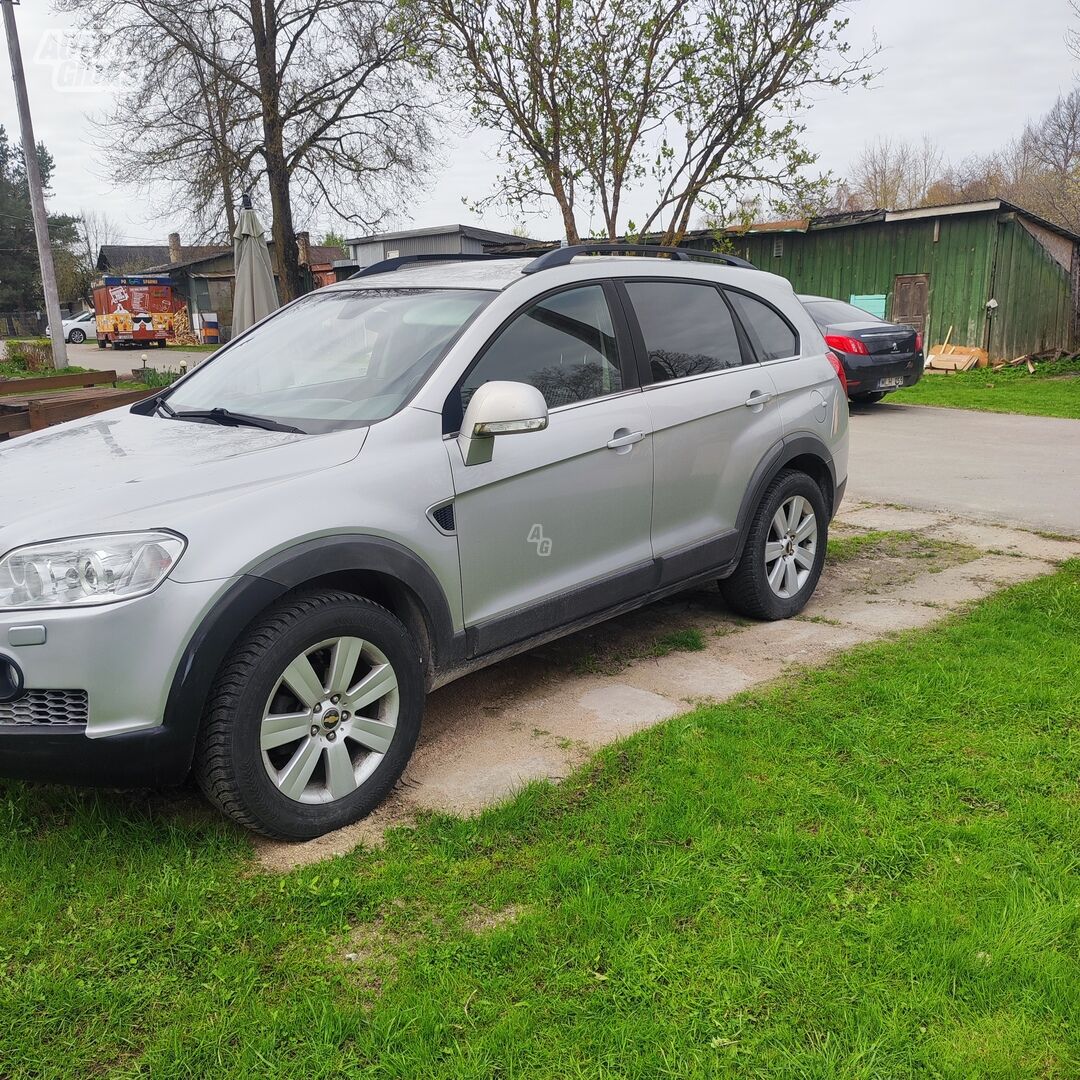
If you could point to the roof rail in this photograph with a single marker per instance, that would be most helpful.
(387, 265)
(562, 256)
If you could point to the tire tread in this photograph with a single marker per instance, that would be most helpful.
(213, 767)
(745, 591)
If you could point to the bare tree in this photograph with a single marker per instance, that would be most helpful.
(694, 98)
(1047, 160)
(325, 102)
(895, 175)
(1072, 35)
(746, 70)
(186, 134)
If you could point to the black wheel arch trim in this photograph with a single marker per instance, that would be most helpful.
(341, 554)
(253, 592)
(782, 454)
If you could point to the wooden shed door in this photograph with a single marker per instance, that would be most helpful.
(911, 301)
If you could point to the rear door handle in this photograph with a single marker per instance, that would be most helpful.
(757, 400)
(628, 439)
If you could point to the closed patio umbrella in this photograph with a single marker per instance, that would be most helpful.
(255, 294)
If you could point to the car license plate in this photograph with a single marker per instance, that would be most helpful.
(891, 383)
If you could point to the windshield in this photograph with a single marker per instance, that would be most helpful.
(333, 359)
(837, 313)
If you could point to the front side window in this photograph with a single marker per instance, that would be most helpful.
(334, 359)
(688, 328)
(770, 332)
(564, 345)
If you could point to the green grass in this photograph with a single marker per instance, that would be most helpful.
(870, 870)
(17, 369)
(1054, 390)
(688, 640)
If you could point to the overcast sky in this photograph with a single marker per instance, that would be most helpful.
(967, 72)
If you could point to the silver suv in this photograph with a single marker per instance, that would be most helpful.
(259, 573)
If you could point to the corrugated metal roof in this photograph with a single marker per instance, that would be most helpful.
(114, 256)
(190, 257)
(486, 236)
(320, 255)
(979, 207)
(796, 225)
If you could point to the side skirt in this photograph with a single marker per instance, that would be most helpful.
(513, 634)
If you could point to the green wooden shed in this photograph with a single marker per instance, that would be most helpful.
(997, 276)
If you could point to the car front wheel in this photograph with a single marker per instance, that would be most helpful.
(784, 553)
(313, 717)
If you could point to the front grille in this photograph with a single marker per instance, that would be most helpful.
(56, 708)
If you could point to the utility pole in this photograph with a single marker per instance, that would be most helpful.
(37, 196)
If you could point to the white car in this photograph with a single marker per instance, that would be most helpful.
(79, 327)
(258, 573)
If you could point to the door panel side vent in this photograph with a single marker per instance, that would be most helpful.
(443, 517)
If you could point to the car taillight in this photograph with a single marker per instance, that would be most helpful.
(847, 344)
(838, 368)
(918, 342)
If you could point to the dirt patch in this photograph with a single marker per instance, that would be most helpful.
(369, 952)
(540, 715)
(482, 920)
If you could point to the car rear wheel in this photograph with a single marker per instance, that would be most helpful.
(312, 718)
(784, 553)
(868, 399)
(77, 337)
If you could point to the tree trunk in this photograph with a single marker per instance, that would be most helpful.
(290, 284)
(565, 208)
(230, 204)
(264, 25)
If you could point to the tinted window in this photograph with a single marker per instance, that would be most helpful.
(564, 346)
(688, 329)
(836, 312)
(771, 334)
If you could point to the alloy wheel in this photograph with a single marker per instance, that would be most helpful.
(329, 720)
(791, 547)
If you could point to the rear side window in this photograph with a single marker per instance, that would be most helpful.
(771, 334)
(564, 346)
(688, 329)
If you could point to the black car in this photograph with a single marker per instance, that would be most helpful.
(877, 356)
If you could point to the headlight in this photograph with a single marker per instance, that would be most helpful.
(86, 570)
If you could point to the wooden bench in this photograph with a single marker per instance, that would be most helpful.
(57, 382)
(33, 412)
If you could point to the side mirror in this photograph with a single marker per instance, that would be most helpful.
(499, 408)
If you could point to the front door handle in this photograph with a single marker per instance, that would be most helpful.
(625, 438)
(755, 401)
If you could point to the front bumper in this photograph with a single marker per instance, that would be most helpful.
(126, 658)
(158, 757)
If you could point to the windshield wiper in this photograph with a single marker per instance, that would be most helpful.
(229, 418)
